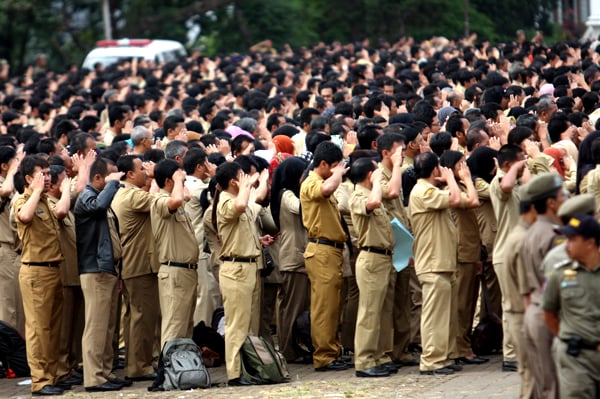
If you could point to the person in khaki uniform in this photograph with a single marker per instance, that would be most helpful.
(482, 165)
(469, 260)
(435, 250)
(323, 254)
(540, 239)
(73, 312)
(39, 277)
(235, 215)
(570, 304)
(396, 323)
(373, 264)
(295, 287)
(99, 253)
(504, 193)
(514, 278)
(199, 171)
(11, 304)
(132, 205)
(177, 253)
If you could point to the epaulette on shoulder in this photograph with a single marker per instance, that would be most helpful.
(563, 264)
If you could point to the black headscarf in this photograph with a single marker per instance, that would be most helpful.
(286, 177)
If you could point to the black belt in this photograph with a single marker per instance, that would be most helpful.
(583, 344)
(235, 259)
(192, 266)
(376, 250)
(44, 264)
(338, 245)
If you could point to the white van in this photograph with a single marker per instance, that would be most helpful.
(108, 52)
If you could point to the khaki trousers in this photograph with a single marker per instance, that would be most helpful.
(515, 329)
(324, 268)
(177, 297)
(209, 295)
(538, 344)
(144, 310)
(100, 291)
(11, 303)
(71, 331)
(372, 275)
(467, 289)
(508, 346)
(578, 377)
(41, 288)
(241, 299)
(435, 320)
(416, 303)
(294, 299)
(349, 299)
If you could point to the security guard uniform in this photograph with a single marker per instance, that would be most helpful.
(41, 287)
(323, 260)
(178, 256)
(238, 276)
(376, 243)
(572, 293)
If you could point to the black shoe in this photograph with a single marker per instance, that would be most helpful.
(147, 377)
(49, 390)
(107, 386)
(73, 380)
(390, 366)
(510, 366)
(473, 360)
(306, 359)
(415, 348)
(442, 371)
(121, 382)
(407, 363)
(63, 385)
(455, 367)
(349, 361)
(239, 382)
(119, 364)
(336, 365)
(376, 371)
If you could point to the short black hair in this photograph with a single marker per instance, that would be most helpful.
(425, 164)
(440, 142)
(125, 163)
(508, 153)
(328, 152)
(30, 162)
(519, 134)
(7, 153)
(100, 167)
(193, 158)
(387, 140)
(56, 170)
(360, 169)
(164, 170)
(225, 172)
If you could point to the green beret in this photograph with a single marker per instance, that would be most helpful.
(580, 204)
(543, 185)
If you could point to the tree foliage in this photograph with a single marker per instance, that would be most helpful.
(67, 29)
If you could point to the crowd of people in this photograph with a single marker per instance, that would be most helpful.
(138, 198)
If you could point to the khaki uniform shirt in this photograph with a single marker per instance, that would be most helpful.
(7, 232)
(593, 184)
(173, 232)
(469, 240)
(435, 245)
(293, 238)
(132, 205)
(515, 270)
(486, 219)
(238, 233)
(320, 214)
(506, 209)
(538, 242)
(540, 164)
(69, 270)
(555, 256)
(373, 227)
(394, 206)
(193, 207)
(572, 292)
(40, 237)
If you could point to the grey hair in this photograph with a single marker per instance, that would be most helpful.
(138, 134)
(247, 124)
(175, 148)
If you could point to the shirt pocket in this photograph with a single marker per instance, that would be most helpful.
(572, 295)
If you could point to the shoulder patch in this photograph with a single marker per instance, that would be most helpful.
(429, 191)
(481, 184)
